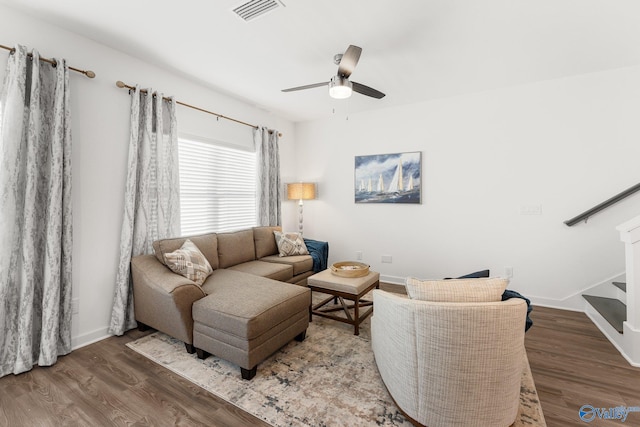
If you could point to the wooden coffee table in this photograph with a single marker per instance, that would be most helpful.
(341, 288)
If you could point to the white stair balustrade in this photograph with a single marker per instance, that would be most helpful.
(630, 343)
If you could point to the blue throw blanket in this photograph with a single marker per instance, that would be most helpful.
(319, 251)
(513, 294)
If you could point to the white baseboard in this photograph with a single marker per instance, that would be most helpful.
(624, 343)
(632, 344)
(575, 301)
(89, 338)
(394, 280)
(557, 304)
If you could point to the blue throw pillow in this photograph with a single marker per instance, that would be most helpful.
(475, 275)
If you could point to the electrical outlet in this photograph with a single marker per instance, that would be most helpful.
(508, 272)
(386, 259)
(75, 306)
(359, 255)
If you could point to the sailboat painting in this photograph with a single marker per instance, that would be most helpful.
(398, 178)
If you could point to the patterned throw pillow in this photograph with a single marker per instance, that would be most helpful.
(457, 290)
(189, 262)
(290, 244)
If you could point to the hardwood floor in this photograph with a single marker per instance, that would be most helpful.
(106, 384)
(573, 364)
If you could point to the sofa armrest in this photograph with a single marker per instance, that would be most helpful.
(162, 298)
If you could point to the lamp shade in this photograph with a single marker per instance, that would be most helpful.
(301, 191)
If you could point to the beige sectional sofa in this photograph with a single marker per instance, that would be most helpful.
(244, 311)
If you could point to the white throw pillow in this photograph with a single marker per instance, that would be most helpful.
(189, 262)
(457, 290)
(290, 244)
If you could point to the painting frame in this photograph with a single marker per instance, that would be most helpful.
(388, 178)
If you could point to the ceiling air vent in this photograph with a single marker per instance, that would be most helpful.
(254, 8)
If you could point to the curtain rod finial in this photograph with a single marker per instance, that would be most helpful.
(90, 74)
(120, 84)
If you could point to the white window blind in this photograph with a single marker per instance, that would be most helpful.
(217, 187)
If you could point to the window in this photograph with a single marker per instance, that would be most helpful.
(217, 187)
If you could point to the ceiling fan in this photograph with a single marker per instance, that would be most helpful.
(340, 86)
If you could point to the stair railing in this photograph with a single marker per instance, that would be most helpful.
(615, 199)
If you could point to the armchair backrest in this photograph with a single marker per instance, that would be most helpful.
(450, 364)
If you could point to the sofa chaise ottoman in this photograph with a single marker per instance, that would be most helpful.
(231, 323)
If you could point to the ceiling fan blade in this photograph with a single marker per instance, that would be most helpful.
(366, 90)
(291, 89)
(349, 60)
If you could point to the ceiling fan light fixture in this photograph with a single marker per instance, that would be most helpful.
(340, 87)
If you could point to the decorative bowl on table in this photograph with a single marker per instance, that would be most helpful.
(350, 269)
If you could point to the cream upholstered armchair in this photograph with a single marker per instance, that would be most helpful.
(451, 363)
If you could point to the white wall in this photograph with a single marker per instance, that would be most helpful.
(100, 128)
(566, 145)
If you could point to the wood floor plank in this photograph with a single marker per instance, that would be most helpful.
(573, 364)
(108, 384)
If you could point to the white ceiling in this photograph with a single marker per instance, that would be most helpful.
(413, 50)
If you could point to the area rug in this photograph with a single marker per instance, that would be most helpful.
(328, 379)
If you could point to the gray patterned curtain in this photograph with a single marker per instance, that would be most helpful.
(268, 184)
(152, 194)
(35, 213)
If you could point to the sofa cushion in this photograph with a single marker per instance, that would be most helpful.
(265, 303)
(290, 244)
(457, 290)
(235, 248)
(189, 262)
(206, 243)
(300, 263)
(265, 241)
(271, 270)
